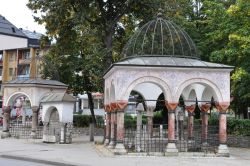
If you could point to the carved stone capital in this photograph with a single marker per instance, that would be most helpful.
(6, 109)
(205, 107)
(35, 109)
(190, 109)
(113, 105)
(222, 106)
(107, 108)
(121, 104)
(171, 106)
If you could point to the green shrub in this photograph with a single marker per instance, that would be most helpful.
(160, 117)
(234, 126)
(129, 120)
(84, 120)
(238, 127)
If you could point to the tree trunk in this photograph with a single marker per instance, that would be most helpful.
(93, 120)
(108, 41)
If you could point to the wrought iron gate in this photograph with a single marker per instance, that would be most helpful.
(145, 138)
(22, 130)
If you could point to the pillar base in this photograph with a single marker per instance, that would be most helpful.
(120, 149)
(33, 134)
(5, 134)
(223, 151)
(62, 142)
(171, 150)
(106, 142)
(111, 144)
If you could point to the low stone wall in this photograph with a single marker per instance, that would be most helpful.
(238, 141)
(81, 131)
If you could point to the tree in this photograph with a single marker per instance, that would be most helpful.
(227, 40)
(84, 32)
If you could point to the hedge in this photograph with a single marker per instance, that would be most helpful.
(239, 127)
(84, 120)
(131, 120)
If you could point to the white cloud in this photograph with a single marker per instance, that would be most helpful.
(20, 15)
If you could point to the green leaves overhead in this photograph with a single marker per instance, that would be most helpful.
(90, 35)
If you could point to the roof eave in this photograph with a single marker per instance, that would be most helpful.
(169, 66)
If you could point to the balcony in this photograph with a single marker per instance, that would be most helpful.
(24, 61)
(22, 77)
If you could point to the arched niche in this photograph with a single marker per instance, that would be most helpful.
(148, 81)
(206, 83)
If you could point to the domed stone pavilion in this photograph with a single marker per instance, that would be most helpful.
(161, 58)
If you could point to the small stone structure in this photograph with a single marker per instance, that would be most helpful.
(34, 90)
(57, 117)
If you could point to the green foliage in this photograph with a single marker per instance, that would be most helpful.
(234, 126)
(224, 37)
(81, 120)
(84, 120)
(238, 127)
(90, 35)
(160, 117)
(131, 120)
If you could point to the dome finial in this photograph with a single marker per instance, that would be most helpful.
(160, 13)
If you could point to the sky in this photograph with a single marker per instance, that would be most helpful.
(18, 14)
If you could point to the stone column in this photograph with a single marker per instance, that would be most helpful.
(190, 109)
(6, 122)
(34, 121)
(107, 129)
(223, 149)
(112, 130)
(46, 131)
(171, 149)
(138, 130)
(120, 148)
(62, 138)
(204, 121)
(150, 110)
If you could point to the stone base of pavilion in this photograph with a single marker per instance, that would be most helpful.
(170, 151)
(5, 134)
(223, 151)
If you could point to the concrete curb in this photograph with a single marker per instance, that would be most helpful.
(22, 158)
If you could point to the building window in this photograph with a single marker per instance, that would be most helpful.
(23, 70)
(10, 71)
(26, 55)
(1, 56)
(12, 57)
(85, 103)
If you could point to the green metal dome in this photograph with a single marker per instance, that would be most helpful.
(160, 37)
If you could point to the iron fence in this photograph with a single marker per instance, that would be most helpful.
(145, 138)
(148, 139)
(22, 130)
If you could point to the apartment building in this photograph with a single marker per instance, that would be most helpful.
(20, 52)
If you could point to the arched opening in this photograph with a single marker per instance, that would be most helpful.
(161, 111)
(52, 125)
(20, 123)
(150, 118)
(194, 133)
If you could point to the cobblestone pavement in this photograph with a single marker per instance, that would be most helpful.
(84, 153)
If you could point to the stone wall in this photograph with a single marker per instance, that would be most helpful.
(238, 141)
(81, 131)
